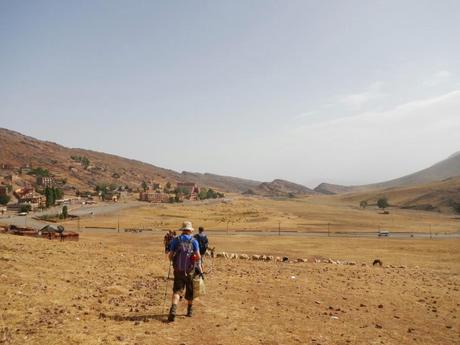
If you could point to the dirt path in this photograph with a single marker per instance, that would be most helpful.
(110, 290)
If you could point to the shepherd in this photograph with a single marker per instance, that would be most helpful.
(185, 257)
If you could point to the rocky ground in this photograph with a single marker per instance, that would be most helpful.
(110, 289)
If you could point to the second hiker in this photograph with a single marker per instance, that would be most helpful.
(185, 256)
(203, 242)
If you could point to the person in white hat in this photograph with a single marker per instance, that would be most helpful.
(185, 257)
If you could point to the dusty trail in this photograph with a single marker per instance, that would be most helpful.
(109, 290)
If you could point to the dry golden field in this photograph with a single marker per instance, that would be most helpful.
(109, 288)
(300, 214)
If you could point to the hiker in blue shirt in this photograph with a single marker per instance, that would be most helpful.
(203, 242)
(184, 253)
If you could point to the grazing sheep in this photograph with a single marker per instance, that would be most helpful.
(255, 257)
(285, 259)
(210, 252)
(278, 259)
(377, 262)
(270, 258)
(244, 256)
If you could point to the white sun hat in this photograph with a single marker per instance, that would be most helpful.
(187, 226)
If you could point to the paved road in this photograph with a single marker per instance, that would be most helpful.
(108, 208)
(80, 210)
(339, 234)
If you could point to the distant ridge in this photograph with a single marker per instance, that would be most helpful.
(19, 150)
(449, 167)
(280, 187)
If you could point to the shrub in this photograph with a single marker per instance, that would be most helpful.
(383, 203)
(25, 208)
(4, 199)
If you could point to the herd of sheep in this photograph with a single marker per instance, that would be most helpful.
(233, 256)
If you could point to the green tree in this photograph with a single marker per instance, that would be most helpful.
(85, 162)
(4, 199)
(211, 194)
(39, 172)
(363, 204)
(49, 195)
(65, 212)
(383, 203)
(203, 194)
(456, 207)
(25, 208)
(144, 186)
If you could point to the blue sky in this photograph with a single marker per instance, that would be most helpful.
(337, 91)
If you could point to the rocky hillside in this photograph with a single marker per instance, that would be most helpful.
(447, 168)
(328, 188)
(441, 196)
(83, 169)
(223, 183)
(280, 188)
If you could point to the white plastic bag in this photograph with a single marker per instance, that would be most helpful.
(199, 288)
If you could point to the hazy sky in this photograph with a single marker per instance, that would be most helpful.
(310, 91)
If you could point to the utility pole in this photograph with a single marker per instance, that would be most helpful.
(118, 223)
(279, 228)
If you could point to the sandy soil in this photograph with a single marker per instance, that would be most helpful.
(110, 288)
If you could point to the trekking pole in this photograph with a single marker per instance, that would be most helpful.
(166, 286)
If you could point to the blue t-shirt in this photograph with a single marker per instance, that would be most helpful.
(175, 242)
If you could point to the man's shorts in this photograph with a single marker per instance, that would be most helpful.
(181, 281)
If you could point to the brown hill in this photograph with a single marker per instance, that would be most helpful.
(223, 183)
(18, 150)
(449, 167)
(433, 196)
(328, 188)
(280, 188)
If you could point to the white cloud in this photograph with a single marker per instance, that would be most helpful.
(358, 100)
(374, 146)
(438, 78)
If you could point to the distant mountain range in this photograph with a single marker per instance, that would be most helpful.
(84, 169)
(446, 168)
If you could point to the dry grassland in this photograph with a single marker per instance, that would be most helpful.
(108, 288)
(300, 214)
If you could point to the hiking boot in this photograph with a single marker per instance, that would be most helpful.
(172, 313)
(189, 310)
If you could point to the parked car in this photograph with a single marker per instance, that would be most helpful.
(383, 233)
(23, 213)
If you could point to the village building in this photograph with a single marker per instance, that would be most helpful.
(25, 169)
(46, 181)
(111, 196)
(155, 186)
(152, 196)
(29, 196)
(6, 166)
(188, 189)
